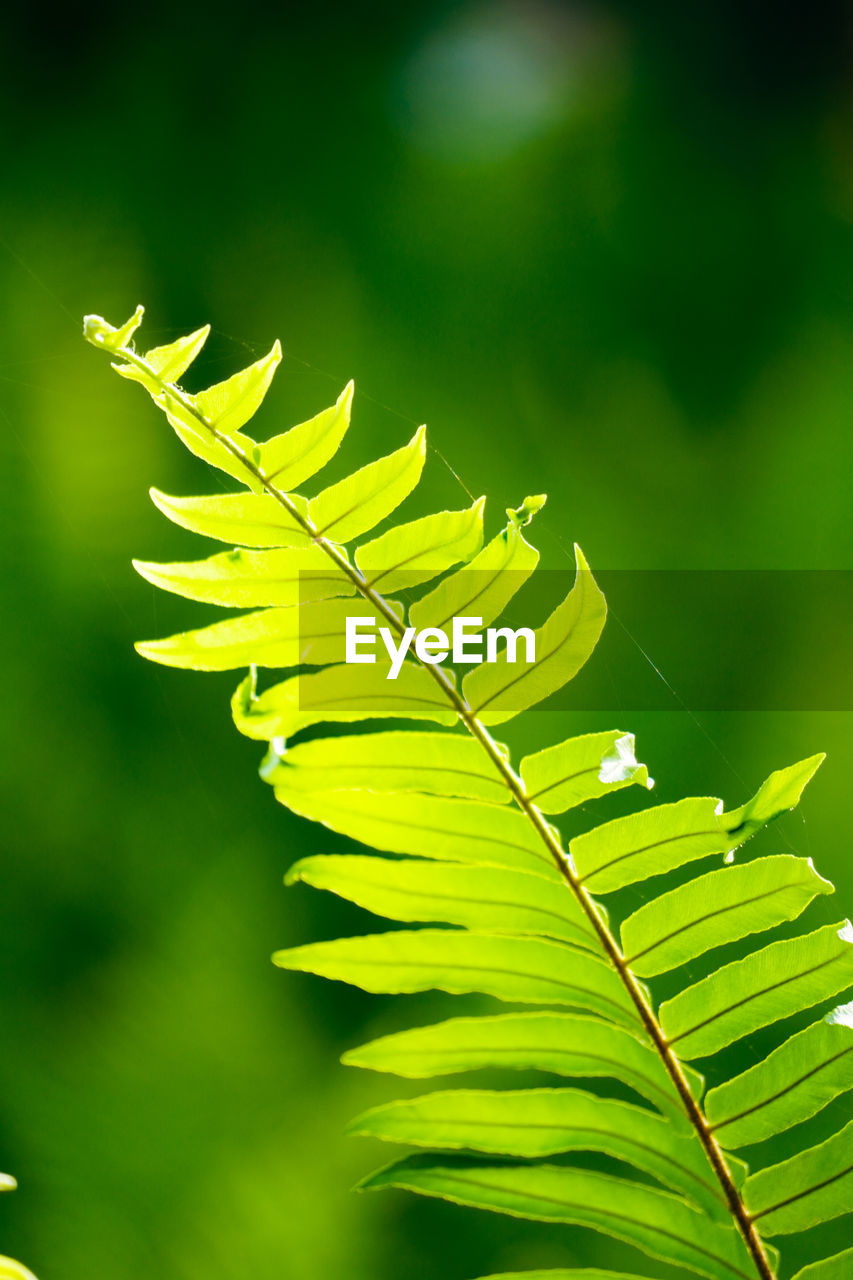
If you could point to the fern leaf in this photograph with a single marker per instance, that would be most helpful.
(561, 1044)
(338, 694)
(168, 363)
(472, 851)
(301, 452)
(411, 554)
(812, 1187)
(547, 1122)
(427, 826)
(768, 985)
(526, 970)
(720, 907)
(484, 587)
(248, 579)
(582, 769)
(356, 504)
(660, 1224)
(649, 843)
(480, 898)
(837, 1268)
(781, 791)
(211, 420)
(244, 519)
(498, 691)
(312, 634)
(433, 763)
(795, 1082)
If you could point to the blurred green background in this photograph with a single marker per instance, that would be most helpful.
(603, 250)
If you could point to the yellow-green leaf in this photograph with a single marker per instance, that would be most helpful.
(248, 579)
(413, 553)
(358, 502)
(243, 519)
(450, 764)
(340, 693)
(582, 769)
(497, 691)
(302, 451)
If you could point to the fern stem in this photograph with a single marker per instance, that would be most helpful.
(524, 803)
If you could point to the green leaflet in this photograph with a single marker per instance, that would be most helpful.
(429, 827)
(768, 985)
(168, 363)
(249, 579)
(492, 899)
(796, 1081)
(245, 519)
(340, 693)
(310, 634)
(229, 405)
(720, 907)
(648, 843)
(661, 839)
(582, 769)
(838, 1268)
(413, 553)
(528, 970)
(437, 763)
(111, 337)
(658, 1223)
(497, 691)
(302, 451)
(483, 588)
(545, 1122)
(224, 407)
(812, 1187)
(560, 1043)
(781, 791)
(356, 504)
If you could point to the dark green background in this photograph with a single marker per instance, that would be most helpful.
(603, 251)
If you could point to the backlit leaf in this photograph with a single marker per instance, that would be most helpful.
(358, 503)
(484, 587)
(413, 553)
(531, 970)
(796, 1081)
(563, 1044)
(498, 691)
(450, 764)
(243, 519)
(311, 634)
(718, 908)
(659, 1223)
(582, 769)
(768, 985)
(429, 827)
(248, 579)
(301, 452)
(492, 899)
(812, 1187)
(339, 693)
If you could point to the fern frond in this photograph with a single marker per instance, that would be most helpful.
(473, 852)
